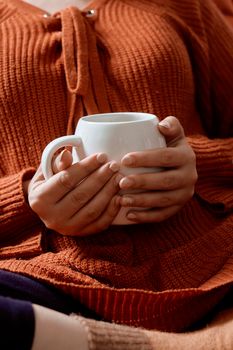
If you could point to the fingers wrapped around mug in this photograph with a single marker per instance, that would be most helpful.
(162, 193)
(73, 198)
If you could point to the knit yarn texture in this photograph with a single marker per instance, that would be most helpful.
(164, 57)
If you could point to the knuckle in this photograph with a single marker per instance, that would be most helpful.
(165, 201)
(189, 156)
(186, 196)
(192, 155)
(140, 201)
(78, 198)
(192, 178)
(138, 181)
(36, 203)
(191, 192)
(92, 213)
(66, 180)
(167, 157)
(104, 173)
(86, 167)
(195, 176)
(168, 182)
(174, 120)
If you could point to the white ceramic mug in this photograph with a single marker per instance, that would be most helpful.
(115, 134)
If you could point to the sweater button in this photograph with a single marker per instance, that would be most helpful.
(46, 15)
(90, 13)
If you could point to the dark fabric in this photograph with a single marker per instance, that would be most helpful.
(17, 324)
(20, 287)
(17, 321)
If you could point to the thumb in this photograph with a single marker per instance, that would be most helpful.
(171, 129)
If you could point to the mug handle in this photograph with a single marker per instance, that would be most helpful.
(52, 147)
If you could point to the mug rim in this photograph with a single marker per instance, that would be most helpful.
(91, 118)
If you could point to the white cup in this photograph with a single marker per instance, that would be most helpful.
(114, 134)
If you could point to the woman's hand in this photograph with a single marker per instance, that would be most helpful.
(165, 192)
(80, 199)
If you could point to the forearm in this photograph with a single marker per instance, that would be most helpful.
(54, 330)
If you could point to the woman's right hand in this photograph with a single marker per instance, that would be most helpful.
(80, 199)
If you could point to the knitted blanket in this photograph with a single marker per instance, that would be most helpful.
(217, 335)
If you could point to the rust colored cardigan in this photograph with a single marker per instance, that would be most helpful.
(167, 57)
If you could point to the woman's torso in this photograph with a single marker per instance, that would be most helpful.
(144, 62)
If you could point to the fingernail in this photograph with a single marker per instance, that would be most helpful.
(127, 160)
(114, 166)
(63, 155)
(165, 123)
(102, 158)
(63, 159)
(126, 182)
(126, 201)
(131, 216)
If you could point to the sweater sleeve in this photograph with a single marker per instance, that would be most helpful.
(219, 42)
(226, 7)
(209, 40)
(16, 217)
(208, 37)
(215, 171)
(215, 155)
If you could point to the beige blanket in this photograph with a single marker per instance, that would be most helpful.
(217, 335)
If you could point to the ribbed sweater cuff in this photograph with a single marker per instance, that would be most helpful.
(215, 170)
(108, 336)
(218, 336)
(16, 215)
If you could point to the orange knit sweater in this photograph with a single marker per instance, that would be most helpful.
(158, 56)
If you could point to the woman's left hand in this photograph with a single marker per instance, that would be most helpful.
(164, 192)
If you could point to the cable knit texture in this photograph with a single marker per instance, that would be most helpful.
(164, 57)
